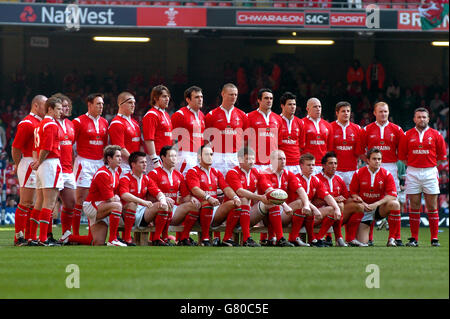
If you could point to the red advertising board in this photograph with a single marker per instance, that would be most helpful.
(171, 17)
(284, 18)
(347, 19)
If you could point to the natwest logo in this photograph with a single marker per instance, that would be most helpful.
(269, 18)
(28, 15)
(77, 14)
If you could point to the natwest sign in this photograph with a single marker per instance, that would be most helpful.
(270, 18)
(348, 19)
(85, 16)
(171, 17)
(410, 20)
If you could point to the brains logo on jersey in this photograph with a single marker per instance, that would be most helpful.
(277, 196)
(28, 15)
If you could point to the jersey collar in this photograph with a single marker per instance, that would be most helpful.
(36, 116)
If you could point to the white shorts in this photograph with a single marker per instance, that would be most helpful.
(186, 161)
(85, 169)
(140, 210)
(212, 219)
(392, 168)
(27, 177)
(294, 169)
(91, 213)
(346, 177)
(224, 162)
(69, 180)
(422, 180)
(49, 174)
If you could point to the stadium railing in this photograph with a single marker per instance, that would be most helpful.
(288, 4)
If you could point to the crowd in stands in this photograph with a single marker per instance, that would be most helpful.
(362, 86)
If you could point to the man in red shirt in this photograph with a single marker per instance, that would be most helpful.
(373, 188)
(124, 130)
(67, 136)
(346, 142)
(91, 136)
(157, 125)
(48, 168)
(337, 188)
(225, 126)
(173, 185)
(318, 132)
(203, 181)
(291, 136)
(188, 126)
(422, 149)
(265, 126)
(22, 155)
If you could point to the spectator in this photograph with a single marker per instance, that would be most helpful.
(375, 76)
(437, 104)
(355, 73)
(2, 136)
(45, 81)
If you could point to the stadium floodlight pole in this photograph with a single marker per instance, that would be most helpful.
(120, 39)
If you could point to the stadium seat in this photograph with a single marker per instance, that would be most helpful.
(143, 3)
(225, 4)
(398, 4)
(174, 3)
(209, 4)
(384, 4)
(190, 4)
(412, 4)
(295, 4)
(159, 3)
(29, 1)
(54, 1)
(279, 3)
(322, 3)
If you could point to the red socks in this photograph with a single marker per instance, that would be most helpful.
(129, 217)
(77, 211)
(66, 219)
(114, 219)
(327, 222)
(394, 220)
(27, 224)
(433, 219)
(371, 230)
(232, 219)
(206, 214)
(44, 218)
(297, 224)
(160, 223)
(309, 225)
(244, 220)
(414, 223)
(275, 222)
(165, 233)
(34, 223)
(337, 228)
(21, 217)
(352, 226)
(189, 221)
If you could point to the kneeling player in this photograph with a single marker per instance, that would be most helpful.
(373, 188)
(203, 181)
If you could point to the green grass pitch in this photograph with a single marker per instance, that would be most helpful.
(223, 272)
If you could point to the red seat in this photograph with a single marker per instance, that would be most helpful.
(384, 4)
(279, 3)
(190, 4)
(209, 4)
(143, 3)
(294, 4)
(54, 1)
(225, 4)
(412, 4)
(29, 1)
(159, 3)
(174, 3)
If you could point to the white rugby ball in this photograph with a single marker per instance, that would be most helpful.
(277, 196)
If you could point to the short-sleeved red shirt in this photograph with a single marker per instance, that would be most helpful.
(372, 187)
(104, 185)
(170, 183)
(24, 139)
(208, 181)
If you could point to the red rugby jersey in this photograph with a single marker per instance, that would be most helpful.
(264, 136)
(334, 185)
(104, 185)
(125, 132)
(157, 126)
(24, 139)
(291, 138)
(318, 138)
(386, 138)
(91, 136)
(47, 137)
(170, 183)
(372, 187)
(313, 187)
(139, 187)
(346, 145)
(66, 139)
(252, 181)
(287, 181)
(208, 181)
(422, 149)
(188, 128)
(226, 129)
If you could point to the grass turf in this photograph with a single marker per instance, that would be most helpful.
(239, 272)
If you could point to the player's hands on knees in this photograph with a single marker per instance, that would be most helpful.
(288, 210)
(370, 207)
(237, 201)
(196, 202)
(170, 203)
(163, 204)
(116, 198)
(34, 165)
(307, 210)
(337, 214)
(147, 204)
(213, 201)
(339, 199)
(264, 200)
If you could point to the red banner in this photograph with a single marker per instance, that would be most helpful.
(348, 19)
(269, 18)
(171, 17)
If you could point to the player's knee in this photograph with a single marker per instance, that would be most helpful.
(117, 206)
(130, 206)
(394, 205)
(244, 201)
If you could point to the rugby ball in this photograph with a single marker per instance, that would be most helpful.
(277, 196)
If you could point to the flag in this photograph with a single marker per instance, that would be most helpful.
(432, 13)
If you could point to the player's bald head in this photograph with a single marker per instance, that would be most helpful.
(38, 99)
(228, 86)
(123, 97)
(313, 101)
(381, 103)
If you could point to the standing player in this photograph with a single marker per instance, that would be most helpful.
(91, 136)
(67, 135)
(188, 126)
(346, 142)
(48, 168)
(203, 181)
(335, 185)
(225, 126)
(134, 189)
(422, 149)
(291, 137)
(318, 132)
(22, 155)
(157, 125)
(373, 187)
(124, 130)
(384, 136)
(265, 126)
